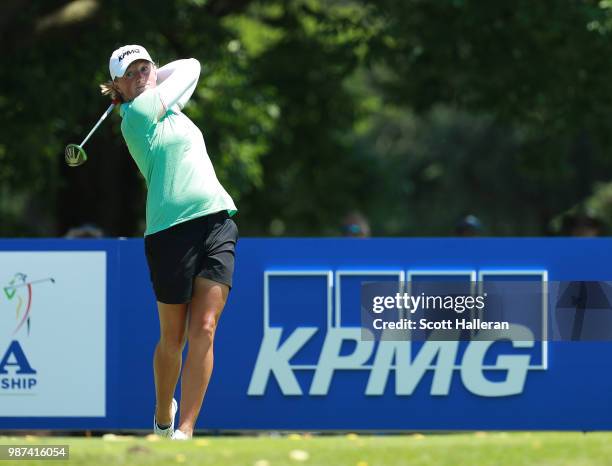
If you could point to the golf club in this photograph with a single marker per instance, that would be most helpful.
(12, 287)
(74, 153)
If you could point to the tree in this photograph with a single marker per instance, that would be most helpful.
(537, 68)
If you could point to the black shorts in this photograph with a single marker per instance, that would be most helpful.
(202, 247)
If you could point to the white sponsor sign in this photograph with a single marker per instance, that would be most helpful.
(52, 333)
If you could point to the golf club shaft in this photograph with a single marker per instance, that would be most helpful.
(108, 110)
(11, 287)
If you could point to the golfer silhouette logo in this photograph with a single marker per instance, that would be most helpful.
(19, 290)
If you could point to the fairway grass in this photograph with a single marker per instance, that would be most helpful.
(470, 449)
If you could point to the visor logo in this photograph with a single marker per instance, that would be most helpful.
(128, 52)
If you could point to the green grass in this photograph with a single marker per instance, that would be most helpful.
(470, 449)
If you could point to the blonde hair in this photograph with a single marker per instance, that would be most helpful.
(110, 88)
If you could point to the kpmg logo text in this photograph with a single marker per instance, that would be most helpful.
(128, 52)
(403, 363)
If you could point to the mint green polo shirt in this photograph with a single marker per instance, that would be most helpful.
(172, 157)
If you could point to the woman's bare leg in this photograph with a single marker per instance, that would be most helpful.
(209, 298)
(168, 356)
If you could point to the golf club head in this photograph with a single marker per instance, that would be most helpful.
(75, 155)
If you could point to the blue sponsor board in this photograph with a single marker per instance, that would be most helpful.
(289, 352)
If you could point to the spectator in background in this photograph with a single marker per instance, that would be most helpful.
(470, 225)
(87, 230)
(582, 224)
(355, 225)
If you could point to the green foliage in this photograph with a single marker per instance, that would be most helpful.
(310, 174)
(413, 112)
(444, 165)
(538, 70)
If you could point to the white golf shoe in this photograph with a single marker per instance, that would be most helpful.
(168, 432)
(180, 435)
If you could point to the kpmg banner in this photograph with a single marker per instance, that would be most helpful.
(290, 352)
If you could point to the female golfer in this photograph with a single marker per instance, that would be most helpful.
(189, 238)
